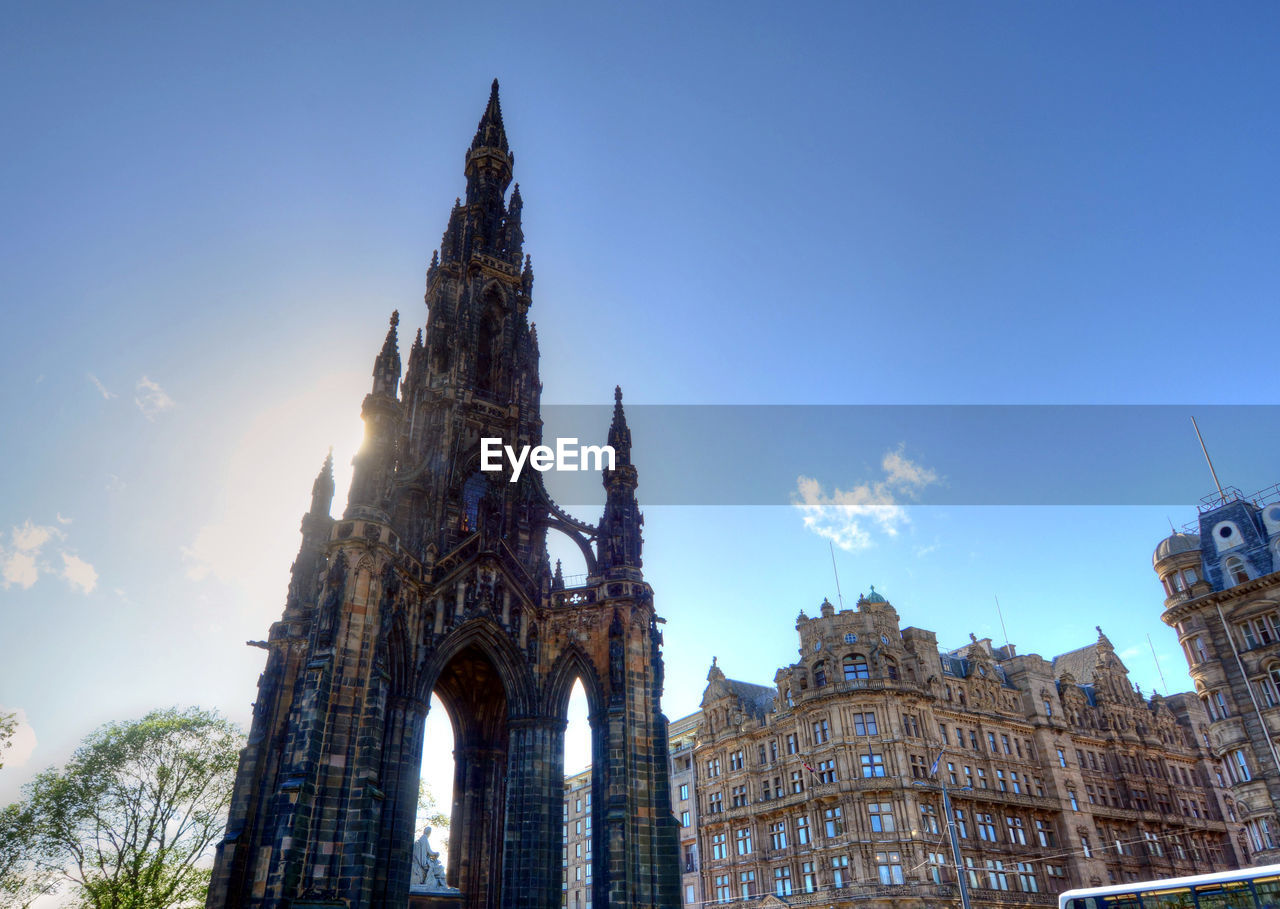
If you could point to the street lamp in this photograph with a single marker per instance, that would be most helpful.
(961, 880)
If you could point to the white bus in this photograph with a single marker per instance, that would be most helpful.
(1248, 888)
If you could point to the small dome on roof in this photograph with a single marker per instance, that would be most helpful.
(1174, 544)
(874, 597)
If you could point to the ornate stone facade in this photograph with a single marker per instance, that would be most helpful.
(822, 788)
(436, 580)
(1222, 595)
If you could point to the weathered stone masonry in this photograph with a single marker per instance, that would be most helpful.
(436, 580)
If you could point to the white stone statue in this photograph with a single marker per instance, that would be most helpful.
(426, 874)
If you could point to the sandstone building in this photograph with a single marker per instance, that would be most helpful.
(1222, 595)
(821, 788)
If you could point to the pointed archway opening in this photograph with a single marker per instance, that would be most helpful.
(435, 798)
(578, 854)
(470, 691)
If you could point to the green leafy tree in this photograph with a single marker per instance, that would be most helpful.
(130, 817)
(429, 813)
(23, 879)
(8, 726)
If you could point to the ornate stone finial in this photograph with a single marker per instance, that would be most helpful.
(395, 317)
(973, 638)
(713, 662)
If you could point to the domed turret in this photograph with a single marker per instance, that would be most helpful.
(1173, 545)
(1177, 563)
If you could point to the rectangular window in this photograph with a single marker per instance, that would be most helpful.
(684, 792)
(1027, 878)
(1071, 796)
(738, 796)
(1017, 835)
(792, 746)
(742, 839)
(961, 827)
(782, 881)
(839, 870)
(802, 830)
(833, 822)
(986, 826)
(715, 803)
(997, 879)
(797, 782)
(951, 772)
(889, 866)
(736, 761)
(864, 724)
(881, 814)
(1004, 743)
(713, 767)
(827, 771)
(808, 880)
(1000, 781)
(991, 740)
(934, 863)
(722, 891)
(719, 846)
(746, 884)
(821, 732)
(872, 765)
(1044, 834)
(1062, 758)
(982, 778)
(929, 819)
(778, 835)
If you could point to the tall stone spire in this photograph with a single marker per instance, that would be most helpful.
(620, 537)
(322, 488)
(489, 159)
(619, 433)
(386, 367)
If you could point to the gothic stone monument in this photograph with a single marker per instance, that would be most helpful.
(436, 580)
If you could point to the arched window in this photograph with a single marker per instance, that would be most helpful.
(819, 674)
(1235, 570)
(472, 493)
(855, 667)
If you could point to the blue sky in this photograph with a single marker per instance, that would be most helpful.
(209, 213)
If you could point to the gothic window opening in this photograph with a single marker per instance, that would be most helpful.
(472, 492)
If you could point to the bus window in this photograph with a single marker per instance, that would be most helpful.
(1119, 901)
(1082, 902)
(1268, 890)
(1168, 899)
(1229, 895)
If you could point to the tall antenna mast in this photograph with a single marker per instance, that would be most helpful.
(1157, 659)
(1207, 459)
(836, 572)
(1004, 630)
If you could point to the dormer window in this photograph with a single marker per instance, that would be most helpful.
(1235, 570)
(855, 667)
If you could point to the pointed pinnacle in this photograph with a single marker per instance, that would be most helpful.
(490, 133)
(395, 317)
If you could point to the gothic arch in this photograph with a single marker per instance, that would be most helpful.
(572, 664)
(588, 554)
(492, 640)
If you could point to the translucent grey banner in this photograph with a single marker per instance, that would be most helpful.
(923, 454)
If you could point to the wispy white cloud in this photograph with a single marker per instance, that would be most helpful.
(151, 399)
(107, 394)
(79, 573)
(61, 519)
(850, 517)
(22, 561)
